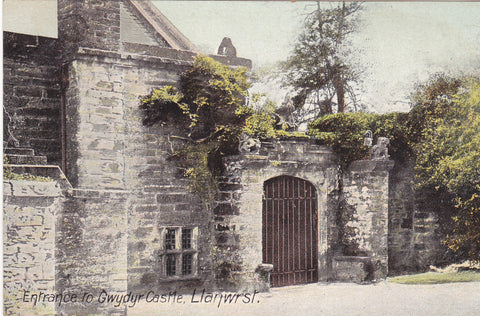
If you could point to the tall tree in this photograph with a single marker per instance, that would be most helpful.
(318, 68)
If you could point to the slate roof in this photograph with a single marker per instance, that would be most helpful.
(143, 23)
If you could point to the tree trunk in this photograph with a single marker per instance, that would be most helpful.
(338, 84)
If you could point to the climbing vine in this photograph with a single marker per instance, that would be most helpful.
(209, 107)
(212, 107)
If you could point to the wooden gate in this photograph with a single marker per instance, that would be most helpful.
(290, 233)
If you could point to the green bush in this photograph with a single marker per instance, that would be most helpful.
(441, 135)
(345, 133)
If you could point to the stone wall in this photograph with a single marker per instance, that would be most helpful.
(110, 153)
(123, 227)
(238, 215)
(32, 93)
(415, 235)
(104, 121)
(92, 246)
(110, 149)
(30, 213)
(401, 253)
(93, 24)
(365, 192)
(431, 223)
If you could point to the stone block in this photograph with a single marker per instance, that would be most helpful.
(351, 269)
(172, 198)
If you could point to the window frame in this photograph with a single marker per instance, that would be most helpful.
(178, 251)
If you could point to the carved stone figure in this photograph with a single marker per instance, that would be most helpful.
(380, 150)
(249, 145)
(226, 48)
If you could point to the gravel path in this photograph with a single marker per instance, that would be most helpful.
(334, 299)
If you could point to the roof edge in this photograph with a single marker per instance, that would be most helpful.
(162, 25)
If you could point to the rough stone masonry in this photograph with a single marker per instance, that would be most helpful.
(125, 221)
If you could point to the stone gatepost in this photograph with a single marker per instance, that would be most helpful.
(365, 194)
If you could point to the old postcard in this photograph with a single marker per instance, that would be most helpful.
(241, 157)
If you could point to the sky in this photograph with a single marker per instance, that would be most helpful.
(34, 17)
(397, 44)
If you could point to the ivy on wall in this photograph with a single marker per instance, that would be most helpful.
(345, 133)
(210, 106)
(441, 134)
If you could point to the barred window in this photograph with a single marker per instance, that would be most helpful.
(186, 238)
(170, 239)
(187, 262)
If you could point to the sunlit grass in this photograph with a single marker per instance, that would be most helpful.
(437, 277)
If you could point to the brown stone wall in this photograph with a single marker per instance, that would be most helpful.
(32, 93)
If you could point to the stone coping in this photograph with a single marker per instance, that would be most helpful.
(371, 165)
(51, 171)
(147, 53)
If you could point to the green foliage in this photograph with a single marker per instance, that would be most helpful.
(397, 127)
(449, 159)
(437, 277)
(260, 125)
(209, 105)
(345, 133)
(195, 159)
(432, 101)
(265, 123)
(210, 98)
(8, 174)
(441, 134)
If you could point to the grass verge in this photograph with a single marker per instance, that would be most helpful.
(437, 277)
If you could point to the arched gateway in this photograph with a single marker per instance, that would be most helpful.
(290, 230)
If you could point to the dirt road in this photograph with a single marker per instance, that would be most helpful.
(329, 299)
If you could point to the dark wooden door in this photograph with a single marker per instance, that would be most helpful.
(290, 233)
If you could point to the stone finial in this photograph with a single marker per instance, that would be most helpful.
(368, 141)
(380, 150)
(226, 48)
